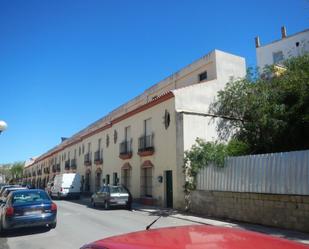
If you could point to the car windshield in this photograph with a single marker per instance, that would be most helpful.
(26, 197)
(118, 189)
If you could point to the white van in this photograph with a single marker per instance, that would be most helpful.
(66, 185)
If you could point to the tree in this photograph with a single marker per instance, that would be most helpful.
(16, 170)
(267, 114)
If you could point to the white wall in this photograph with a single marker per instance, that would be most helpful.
(264, 54)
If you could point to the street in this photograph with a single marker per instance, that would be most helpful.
(78, 224)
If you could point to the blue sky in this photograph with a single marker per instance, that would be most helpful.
(65, 64)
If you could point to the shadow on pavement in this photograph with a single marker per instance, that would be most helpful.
(22, 232)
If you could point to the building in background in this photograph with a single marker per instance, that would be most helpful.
(277, 51)
(141, 144)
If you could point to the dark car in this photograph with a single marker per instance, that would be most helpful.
(112, 196)
(194, 237)
(3, 188)
(7, 191)
(28, 208)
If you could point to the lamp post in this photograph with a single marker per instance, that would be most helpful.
(3, 126)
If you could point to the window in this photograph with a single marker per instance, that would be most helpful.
(147, 127)
(107, 179)
(115, 178)
(83, 149)
(107, 140)
(278, 57)
(89, 147)
(202, 76)
(79, 151)
(99, 144)
(127, 133)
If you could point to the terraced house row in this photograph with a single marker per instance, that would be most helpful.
(141, 144)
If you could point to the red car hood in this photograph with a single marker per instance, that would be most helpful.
(194, 237)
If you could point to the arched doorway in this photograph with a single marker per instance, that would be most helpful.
(87, 180)
(146, 178)
(126, 172)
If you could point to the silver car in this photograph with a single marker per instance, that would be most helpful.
(112, 196)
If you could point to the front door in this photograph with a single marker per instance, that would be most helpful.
(169, 188)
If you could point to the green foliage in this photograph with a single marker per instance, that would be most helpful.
(16, 170)
(203, 153)
(236, 148)
(267, 114)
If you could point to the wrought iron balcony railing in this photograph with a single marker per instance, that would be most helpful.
(145, 143)
(87, 159)
(73, 164)
(98, 157)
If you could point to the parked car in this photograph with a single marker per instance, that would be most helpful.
(7, 191)
(3, 188)
(194, 237)
(66, 185)
(112, 196)
(28, 208)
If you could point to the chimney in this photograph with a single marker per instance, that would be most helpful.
(283, 32)
(257, 42)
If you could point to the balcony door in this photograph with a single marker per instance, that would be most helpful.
(127, 133)
(147, 127)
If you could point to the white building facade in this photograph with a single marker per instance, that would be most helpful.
(141, 144)
(277, 51)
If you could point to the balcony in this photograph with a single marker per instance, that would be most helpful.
(87, 159)
(98, 157)
(67, 165)
(125, 149)
(145, 145)
(73, 164)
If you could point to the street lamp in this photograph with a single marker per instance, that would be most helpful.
(3, 126)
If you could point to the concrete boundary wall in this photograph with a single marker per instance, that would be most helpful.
(284, 211)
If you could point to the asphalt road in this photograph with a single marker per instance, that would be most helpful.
(78, 224)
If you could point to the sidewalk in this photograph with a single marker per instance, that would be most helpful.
(277, 232)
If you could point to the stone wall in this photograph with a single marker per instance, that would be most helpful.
(284, 211)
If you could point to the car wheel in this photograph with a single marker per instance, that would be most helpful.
(53, 225)
(129, 206)
(106, 205)
(92, 203)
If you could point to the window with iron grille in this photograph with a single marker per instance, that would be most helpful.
(146, 182)
(115, 178)
(98, 181)
(107, 179)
